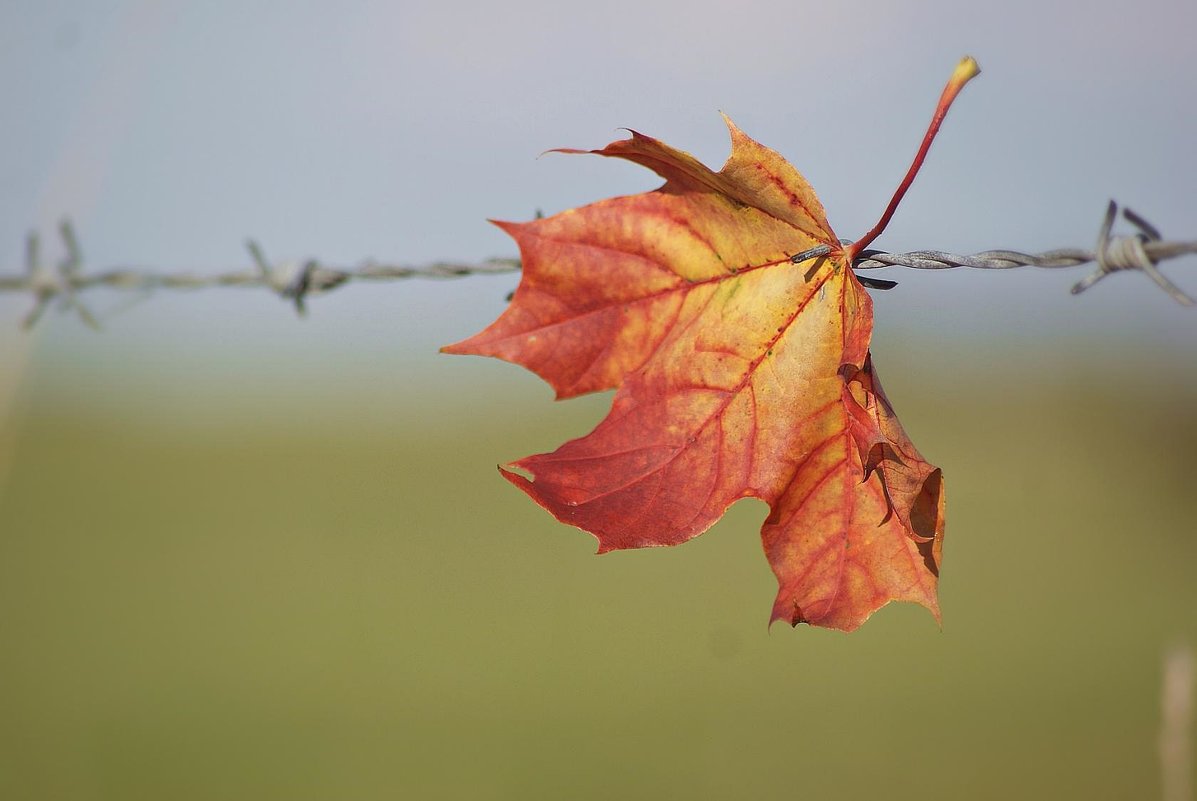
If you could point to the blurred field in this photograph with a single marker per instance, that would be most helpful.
(359, 607)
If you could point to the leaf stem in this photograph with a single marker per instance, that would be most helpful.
(965, 71)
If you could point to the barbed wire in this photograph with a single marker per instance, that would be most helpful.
(297, 281)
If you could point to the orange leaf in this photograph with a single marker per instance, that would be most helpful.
(740, 373)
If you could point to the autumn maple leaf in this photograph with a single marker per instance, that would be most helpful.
(724, 309)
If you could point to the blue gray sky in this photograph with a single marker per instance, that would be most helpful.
(171, 131)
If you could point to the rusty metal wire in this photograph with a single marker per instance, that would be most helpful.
(296, 281)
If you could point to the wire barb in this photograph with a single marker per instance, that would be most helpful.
(1141, 251)
(295, 282)
(1129, 253)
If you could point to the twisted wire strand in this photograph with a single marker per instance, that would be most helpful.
(296, 281)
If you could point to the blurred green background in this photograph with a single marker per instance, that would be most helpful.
(249, 589)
